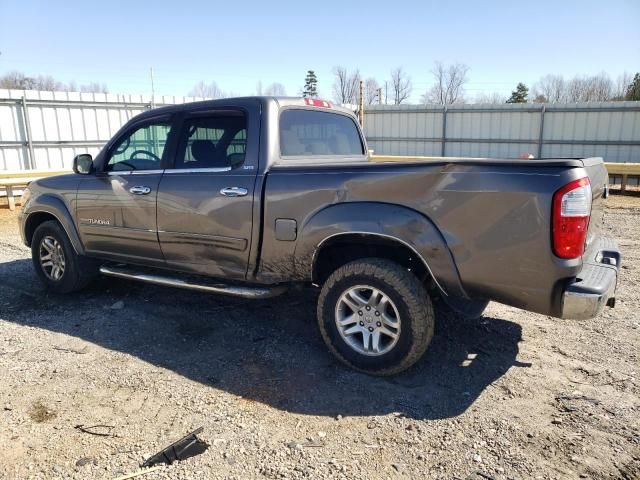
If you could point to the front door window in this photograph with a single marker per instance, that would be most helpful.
(142, 149)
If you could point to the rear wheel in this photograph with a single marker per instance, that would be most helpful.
(57, 264)
(375, 316)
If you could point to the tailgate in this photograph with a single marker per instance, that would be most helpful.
(599, 180)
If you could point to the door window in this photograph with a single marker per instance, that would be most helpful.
(218, 142)
(142, 149)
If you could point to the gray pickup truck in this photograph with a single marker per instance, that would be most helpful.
(248, 196)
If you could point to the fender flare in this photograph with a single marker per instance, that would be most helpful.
(55, 206)
(393, 222)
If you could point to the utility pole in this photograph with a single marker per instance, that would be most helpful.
(361, 104)
(386, 92)
(380, 96)
(153, 91)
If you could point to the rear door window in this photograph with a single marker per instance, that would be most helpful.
(317, 133)
(218, 141)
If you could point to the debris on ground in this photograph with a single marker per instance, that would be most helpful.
(188, 446)
(138, 473)
(98, 430)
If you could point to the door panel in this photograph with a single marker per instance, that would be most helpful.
(201, 230)
(115, 222)
(116, 207)
(206, 201)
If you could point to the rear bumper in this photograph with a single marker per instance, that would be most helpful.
(595, 285)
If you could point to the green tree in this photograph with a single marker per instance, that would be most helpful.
(519, 95)
(633, 90)
(310, 85)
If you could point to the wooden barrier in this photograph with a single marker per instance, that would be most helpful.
(624, 170)
(12, 179)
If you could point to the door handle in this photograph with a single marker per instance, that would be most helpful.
(234, 191)
(140, 190)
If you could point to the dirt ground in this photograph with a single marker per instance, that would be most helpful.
(514, 395)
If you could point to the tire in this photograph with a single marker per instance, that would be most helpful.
(408, 300)
(77, 271)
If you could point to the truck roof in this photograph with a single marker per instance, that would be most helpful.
(242, 101)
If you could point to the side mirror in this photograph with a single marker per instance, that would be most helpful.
(83, 164)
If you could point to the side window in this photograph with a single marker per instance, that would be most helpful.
(218, 141)
(142, 149)
(310, 133)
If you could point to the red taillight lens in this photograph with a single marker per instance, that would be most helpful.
(571, 213)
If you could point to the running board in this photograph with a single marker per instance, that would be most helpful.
(219, 288)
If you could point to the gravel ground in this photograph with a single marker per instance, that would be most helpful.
(513, 395)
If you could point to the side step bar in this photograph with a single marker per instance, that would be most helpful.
(257, 292)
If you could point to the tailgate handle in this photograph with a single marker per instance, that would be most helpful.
(234, 191)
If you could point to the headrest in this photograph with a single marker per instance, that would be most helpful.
(203, 150)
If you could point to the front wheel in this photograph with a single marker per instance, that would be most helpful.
(375, 316)
(57, 264)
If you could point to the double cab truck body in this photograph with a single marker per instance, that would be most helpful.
(246, 196)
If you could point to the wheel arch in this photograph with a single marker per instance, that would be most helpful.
(341, 248)
(391, 229)
(49, 207)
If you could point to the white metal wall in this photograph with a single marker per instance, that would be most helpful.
(607, 129)
(55, 126)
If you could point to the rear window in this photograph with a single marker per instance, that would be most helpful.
(314, 133)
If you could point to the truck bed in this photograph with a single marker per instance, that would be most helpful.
(492, 215)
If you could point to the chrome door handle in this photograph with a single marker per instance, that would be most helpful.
(140, 190)
(234, 191)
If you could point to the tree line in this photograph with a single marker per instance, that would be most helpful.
(449, 82)
(448, 87)
(20, 81)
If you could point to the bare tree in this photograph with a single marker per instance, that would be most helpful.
(346, 86)
(20, 81)
(493, 98)
(211, 90)
(550, 89)
(372, 91)
(17, 80)
(400, 85)
(597, 88)
(622, 84)
(449, 84)
(94, 87)
(275, 90)
(47, 82)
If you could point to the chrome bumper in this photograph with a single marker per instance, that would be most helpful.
(595, 286)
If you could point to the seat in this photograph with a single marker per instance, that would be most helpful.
(291, 144)
(206, 155)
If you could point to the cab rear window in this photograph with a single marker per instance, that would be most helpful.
(316, 133)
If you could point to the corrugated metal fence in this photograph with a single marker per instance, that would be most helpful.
(45, 130)
(607, 129)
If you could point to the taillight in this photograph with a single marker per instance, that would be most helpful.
(314, 102)
(571, 213)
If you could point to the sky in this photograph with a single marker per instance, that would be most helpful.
(238, 44)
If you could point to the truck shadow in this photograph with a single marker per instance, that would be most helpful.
(265, 351)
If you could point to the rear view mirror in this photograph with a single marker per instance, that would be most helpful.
(83, 164)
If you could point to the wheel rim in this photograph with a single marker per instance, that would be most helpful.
(52, 258)
(368, 320)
